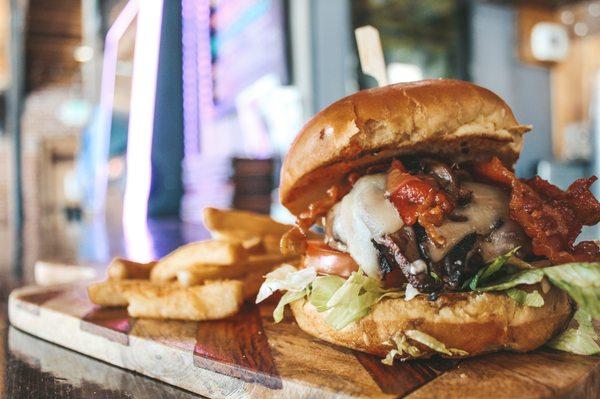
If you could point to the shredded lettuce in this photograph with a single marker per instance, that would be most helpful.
(524, 298)
(402, 347)
(410, 292)
(488, 271)
(285, 278)
(519, 263)
(388, 360)
(344, 300)
(580, 341)
(348, 291)
(527, 277)
(354, 299)
(433, 343)
(340, 316)
(347, 300)
(581, 281)
(287, 298)
(322, 289)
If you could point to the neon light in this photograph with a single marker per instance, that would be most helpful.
(205, 79)
(141, 123)
(107, 94)
(191, 116)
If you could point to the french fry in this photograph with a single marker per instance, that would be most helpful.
(123, 269)
(259, 245)
(214, 253)
(213, 277)
(188, 278)
(253, 245)
(196, 274)
(110, 292)
(241, 225)
(271, 244)
(214, 300)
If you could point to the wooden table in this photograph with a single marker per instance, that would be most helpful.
(33, 368)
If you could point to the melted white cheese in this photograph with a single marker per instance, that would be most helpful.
(365, 214)
(488, 205)
(418, 266)
(410, 292)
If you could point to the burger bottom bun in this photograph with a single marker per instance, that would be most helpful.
(473, 322)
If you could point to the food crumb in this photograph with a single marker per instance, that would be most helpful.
(463, 375)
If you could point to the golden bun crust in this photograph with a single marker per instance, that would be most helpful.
(448, 118)
(474, 322)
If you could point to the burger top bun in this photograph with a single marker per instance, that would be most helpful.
(451, 119)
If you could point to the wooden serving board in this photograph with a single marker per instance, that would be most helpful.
(249, 356)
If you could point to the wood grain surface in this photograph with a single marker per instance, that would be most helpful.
(238, 347)
(249, 356)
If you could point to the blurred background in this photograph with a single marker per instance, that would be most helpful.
(121, 119)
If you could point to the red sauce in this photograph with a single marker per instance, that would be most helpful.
(336, 192)
(418, 199)
(320, 208)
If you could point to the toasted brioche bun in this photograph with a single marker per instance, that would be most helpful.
(474, 322)
(450, 119)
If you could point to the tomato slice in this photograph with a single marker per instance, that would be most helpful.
(326, 260)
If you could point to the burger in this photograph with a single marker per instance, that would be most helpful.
(418, 239)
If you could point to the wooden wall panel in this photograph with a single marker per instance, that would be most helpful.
(53, 33)
(572, 83)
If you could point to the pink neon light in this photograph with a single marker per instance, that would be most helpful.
(141, 121)
(191, 105)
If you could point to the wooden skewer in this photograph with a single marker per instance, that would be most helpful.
(371, 54)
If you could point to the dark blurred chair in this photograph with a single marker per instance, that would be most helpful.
(253, 183)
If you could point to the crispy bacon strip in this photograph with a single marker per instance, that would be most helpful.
(418, 199)
(578, 196)
(552, 218)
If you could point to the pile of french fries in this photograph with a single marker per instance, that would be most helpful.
(204, 280)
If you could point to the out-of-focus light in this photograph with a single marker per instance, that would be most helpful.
(74, 112)
(107, 94)
(549, 42)
(71, 188)
(116, 167)
(399, 72)
(581, 29)
(124, 68)
(141, 124)
(83, 53)
(195, 15)
(594, 9)
(567, 17)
